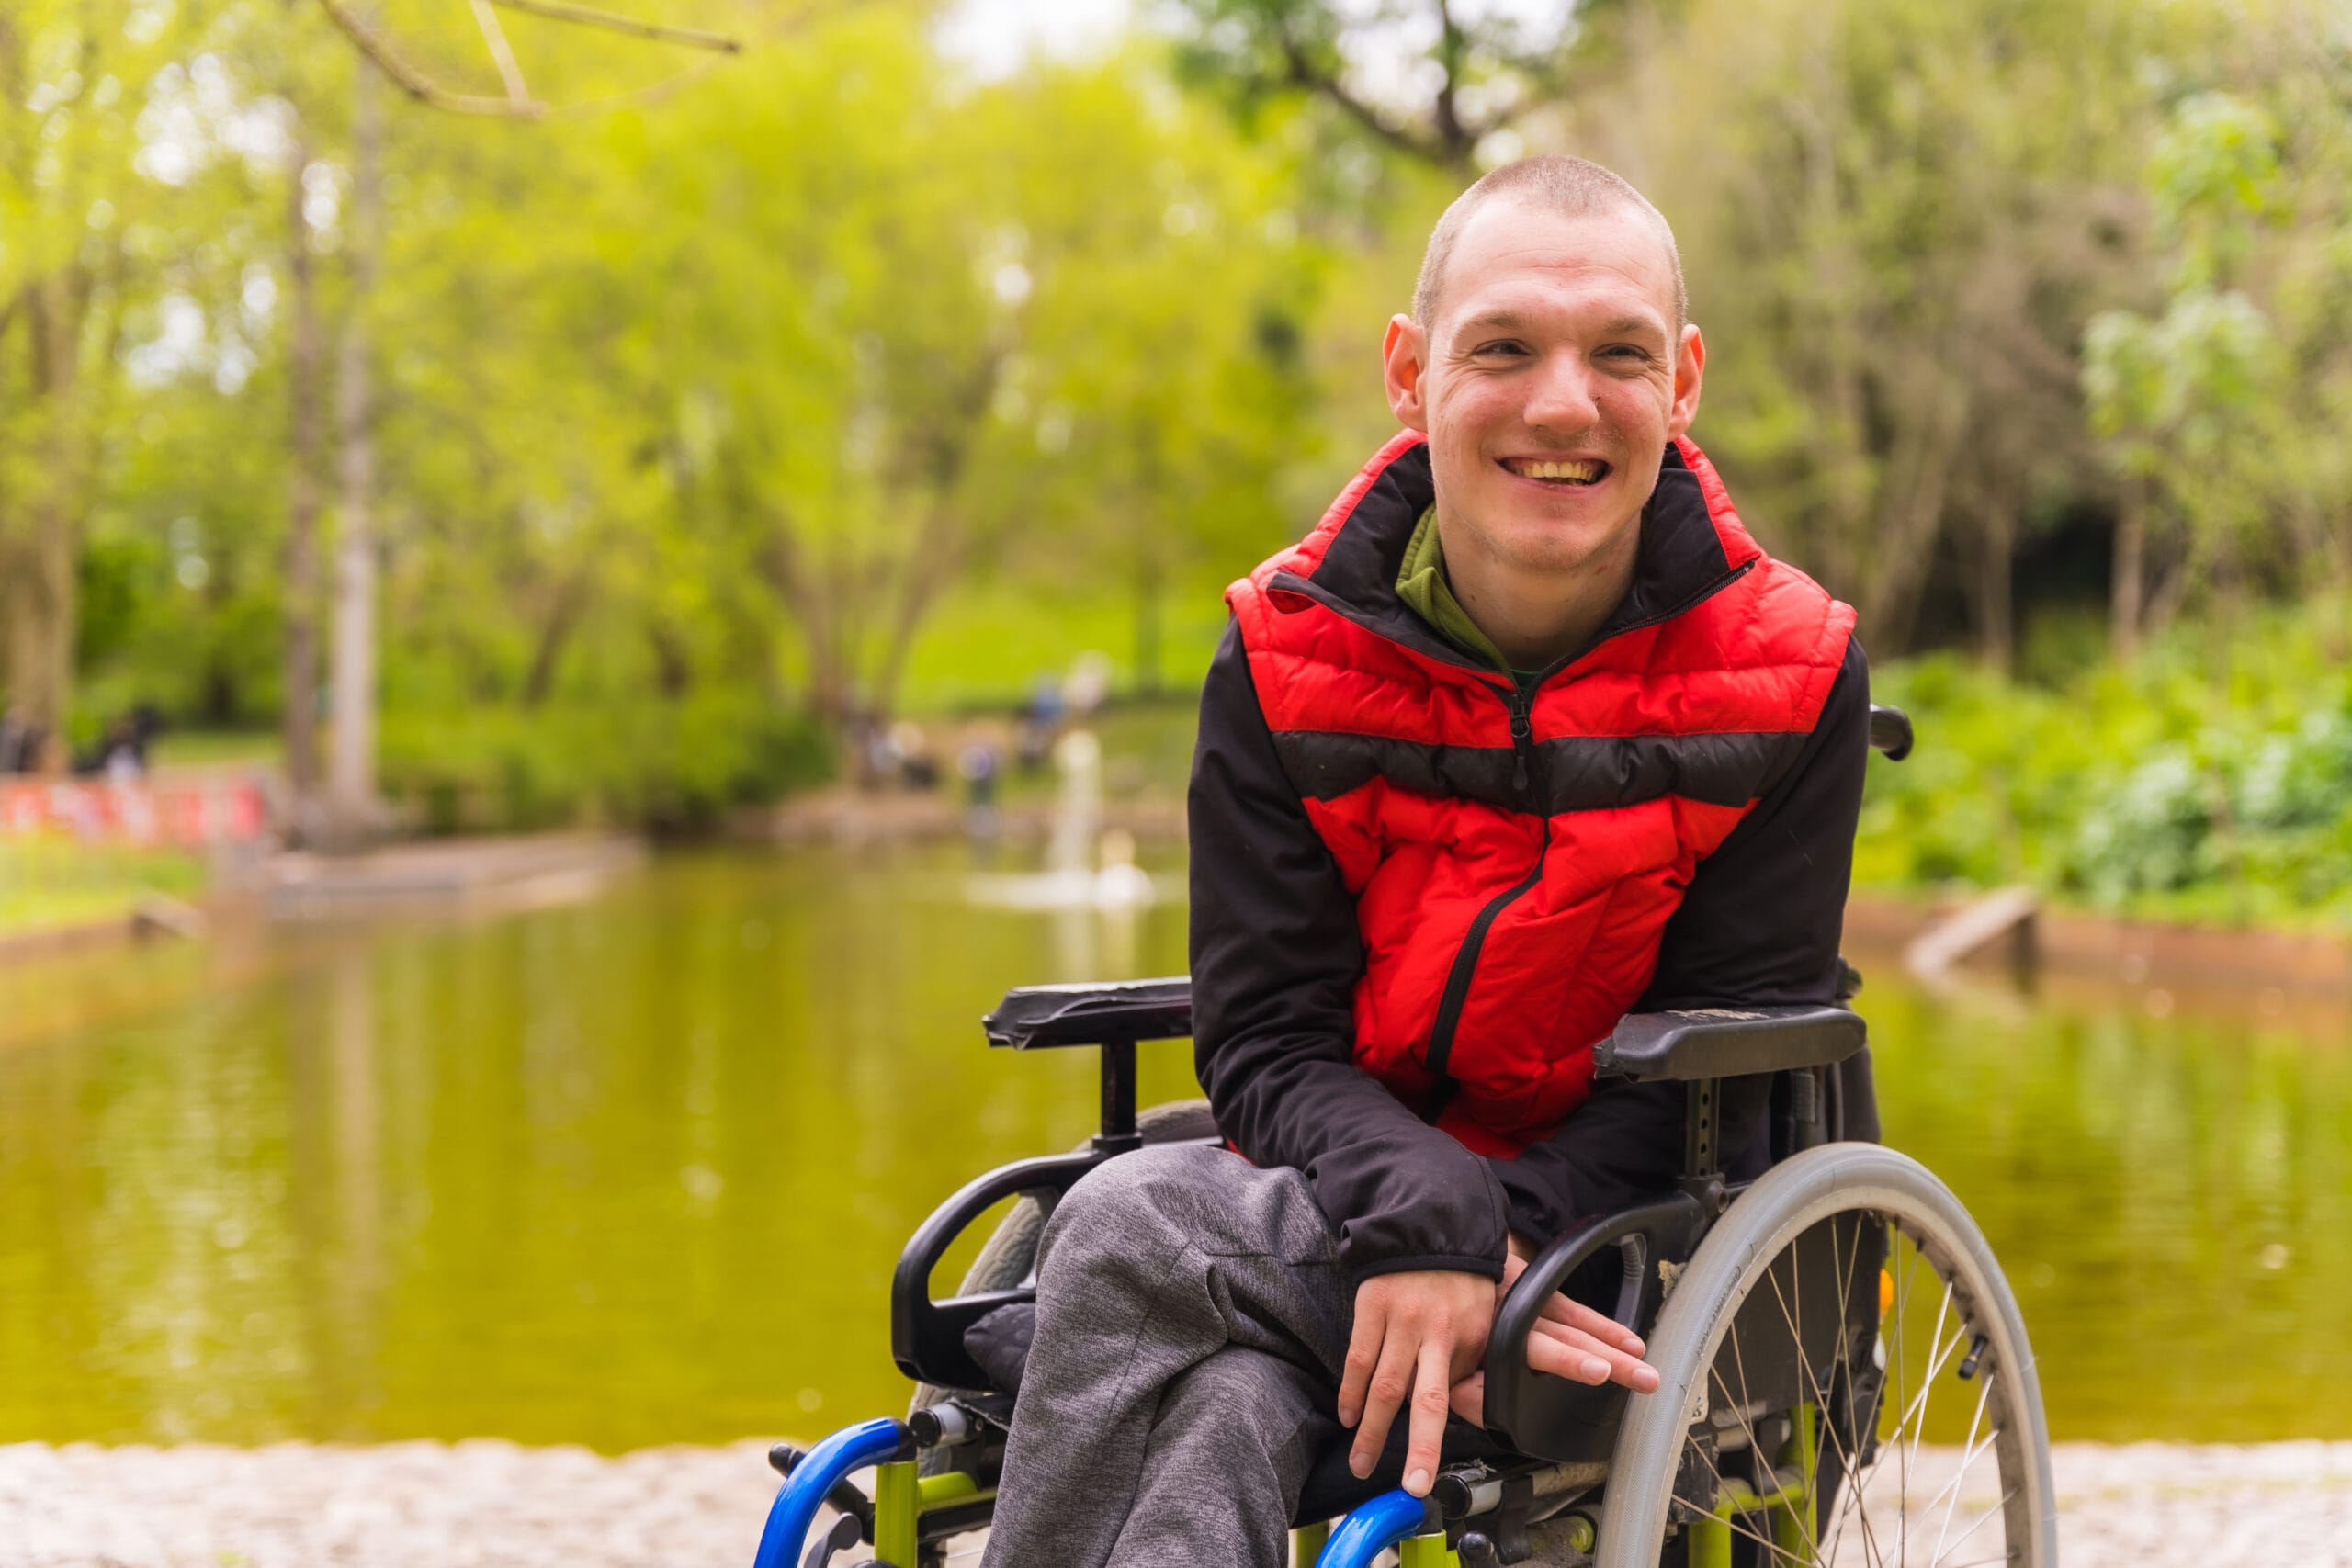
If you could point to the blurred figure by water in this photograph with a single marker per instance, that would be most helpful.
(1041, 723)
(980, 764)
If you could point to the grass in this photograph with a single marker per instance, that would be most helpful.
(50, 881)
(986, 647)
(217, 748)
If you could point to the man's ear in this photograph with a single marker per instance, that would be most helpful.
(1690, 362)
(1403, 355)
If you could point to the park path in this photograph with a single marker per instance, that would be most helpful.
(474, 1505)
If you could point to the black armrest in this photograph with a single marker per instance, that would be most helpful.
(927, 1337)
(1032, 1018)
(1722, 1042)
(1553, 1417)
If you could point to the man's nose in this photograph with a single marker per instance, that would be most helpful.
(1562, 398)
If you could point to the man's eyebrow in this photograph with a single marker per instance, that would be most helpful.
(1512, 321)
(1631, 326)
(1492, 322)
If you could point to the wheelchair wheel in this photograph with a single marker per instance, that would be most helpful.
(1010, 1254)
(1845, 1378)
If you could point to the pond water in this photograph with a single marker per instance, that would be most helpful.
(635, 1171)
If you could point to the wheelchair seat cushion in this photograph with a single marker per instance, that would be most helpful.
(999, 1344)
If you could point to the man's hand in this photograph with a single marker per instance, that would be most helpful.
(1415, 1334)
(1570, 1340)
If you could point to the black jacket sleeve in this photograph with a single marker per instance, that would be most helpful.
(1757, 926)
(1275, 957)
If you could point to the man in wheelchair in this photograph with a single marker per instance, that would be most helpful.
(1528, 734)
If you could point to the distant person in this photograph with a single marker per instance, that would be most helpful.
(918, 768)
(122, 755)
(980, 765)
(1527, 734)
(19, 743)
(146, 723)
(1041, 724)
(1089, 686)
(870, 745)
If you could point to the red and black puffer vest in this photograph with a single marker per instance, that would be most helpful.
(1514, 858)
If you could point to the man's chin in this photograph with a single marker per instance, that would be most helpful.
(1558, 538)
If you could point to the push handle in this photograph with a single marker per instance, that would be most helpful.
(1891, 731)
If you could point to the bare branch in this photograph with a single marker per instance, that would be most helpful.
(1304, 73)
(563, 11)
(510, 72)
(1449, 134)
(652, 92)
(411, 80)
(784, 18)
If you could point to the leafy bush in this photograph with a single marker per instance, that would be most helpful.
(2213, 781)
(668, 766)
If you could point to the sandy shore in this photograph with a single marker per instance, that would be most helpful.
(489, 1503)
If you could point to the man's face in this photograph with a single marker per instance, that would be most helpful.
(1549, 383)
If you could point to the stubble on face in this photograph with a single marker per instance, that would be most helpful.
(1548, 386)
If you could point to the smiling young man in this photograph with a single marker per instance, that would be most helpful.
(1527, 734)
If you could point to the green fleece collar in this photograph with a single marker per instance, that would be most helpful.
(1421, 584)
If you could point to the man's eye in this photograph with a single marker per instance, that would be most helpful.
(1504, 347)
(1625, 350)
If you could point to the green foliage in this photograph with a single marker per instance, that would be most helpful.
(829, 380)
(675, 767)
(2168, 789)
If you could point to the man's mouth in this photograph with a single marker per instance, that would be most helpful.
(1558, 470)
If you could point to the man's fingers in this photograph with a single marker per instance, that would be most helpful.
(1392, 1382)
(1469, 1398)
(1363, 1355)
(1571, 1314)
(1574, 1354)
(1428, 1428)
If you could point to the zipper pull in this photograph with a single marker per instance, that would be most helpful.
(1523, 737)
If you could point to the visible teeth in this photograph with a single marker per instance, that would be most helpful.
(1582, 473)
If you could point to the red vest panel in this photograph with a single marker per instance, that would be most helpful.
(1514, 859)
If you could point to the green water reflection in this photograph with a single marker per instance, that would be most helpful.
(635, 1171)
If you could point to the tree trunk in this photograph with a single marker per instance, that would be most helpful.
(353, 815)
(41, 622)
(1148, 627)
(1996, 600)
(1913, 499)
(2130, 585)
(929, 569)
(546, 652)
(300, 606)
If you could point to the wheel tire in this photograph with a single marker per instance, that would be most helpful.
(1010, 1252)
(1757, 1229)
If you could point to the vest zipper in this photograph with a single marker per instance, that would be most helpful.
(1456, 994)
(1522, 738)
(1522, 744)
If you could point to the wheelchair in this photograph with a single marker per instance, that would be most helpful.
(1844, 1373)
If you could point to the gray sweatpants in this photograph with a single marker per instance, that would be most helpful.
(1192, 1320)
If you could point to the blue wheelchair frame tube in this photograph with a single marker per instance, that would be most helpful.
(1371, 1528)
(796, 1505)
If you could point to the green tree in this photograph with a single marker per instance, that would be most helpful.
(87, 87)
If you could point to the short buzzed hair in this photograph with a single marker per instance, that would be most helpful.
(1574, 187)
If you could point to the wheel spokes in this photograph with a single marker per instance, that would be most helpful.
(1851, 1401)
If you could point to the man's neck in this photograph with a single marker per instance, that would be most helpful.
(1537, 619)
